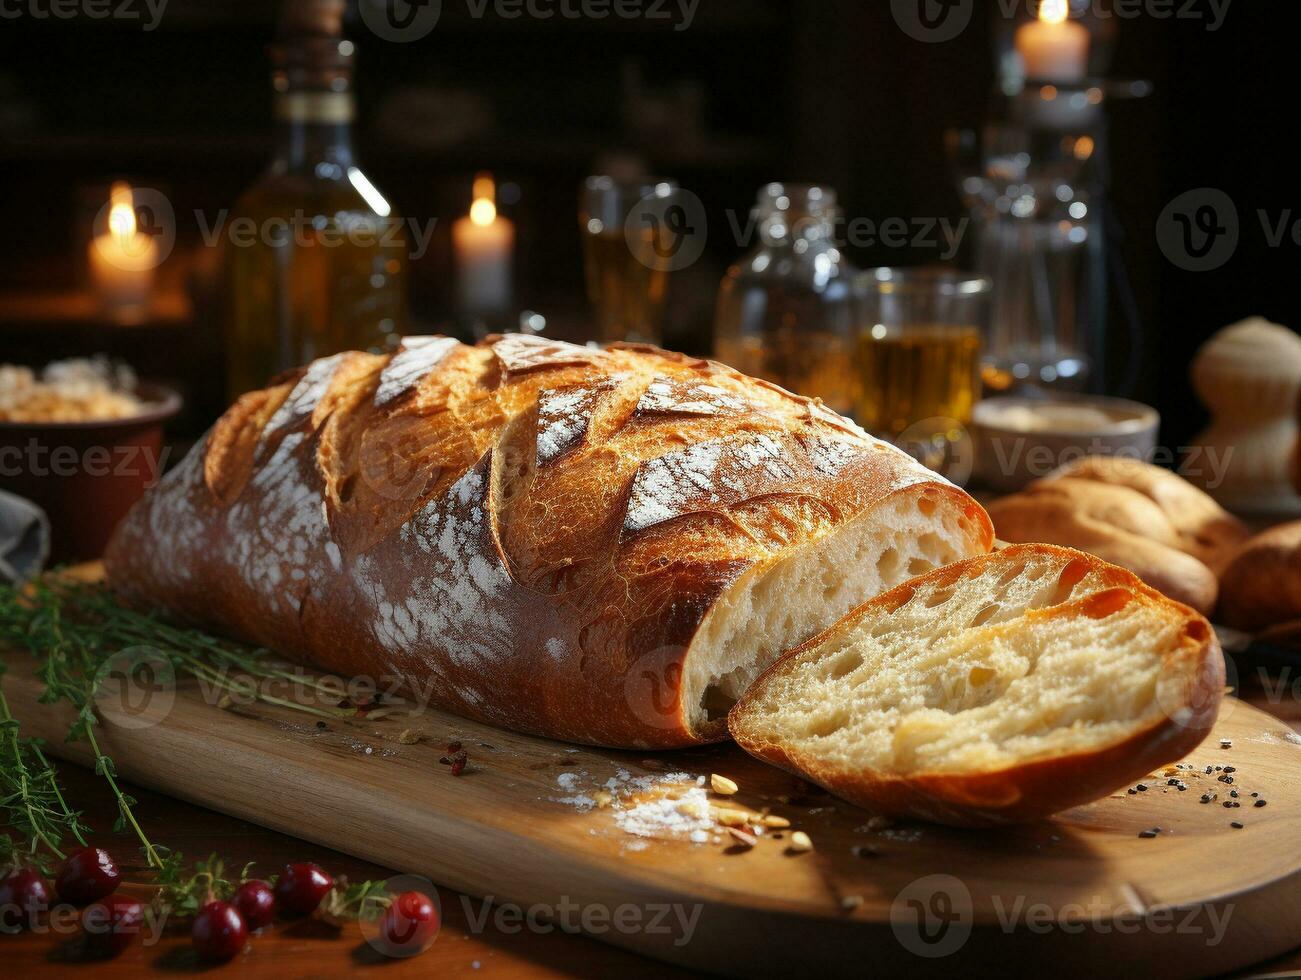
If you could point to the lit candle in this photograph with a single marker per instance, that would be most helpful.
(1054, 48)
(483, 242)
(123, 258)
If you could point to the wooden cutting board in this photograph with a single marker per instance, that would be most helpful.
(1075, 896)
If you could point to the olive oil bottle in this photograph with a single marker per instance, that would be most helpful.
(315, 259)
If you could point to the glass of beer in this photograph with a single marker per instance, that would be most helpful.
(918, 351)
(627, 283)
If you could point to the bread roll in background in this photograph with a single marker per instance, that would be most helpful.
(1132, 514)
(1202, 528)
(1261, 585)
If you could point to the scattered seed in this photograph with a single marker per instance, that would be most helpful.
(742, 836)
(1226, 743)
(722, 785)
(225, 701)
(693, 808)
(408, 737)
(732, 818)
(603, 799)
(801, 842)
(1230, 769)
(1236, 825)
(1260, 802)
(1147, 833)
(776, 822)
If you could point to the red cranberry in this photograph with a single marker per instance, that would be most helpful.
(301, 887)
(24, 896)
(218, 933)
(410, 924)
(112, 924)
(256, 902)
(87, 875)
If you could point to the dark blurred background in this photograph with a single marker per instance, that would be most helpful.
(830, 91)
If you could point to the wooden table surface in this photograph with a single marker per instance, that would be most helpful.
(461, 950)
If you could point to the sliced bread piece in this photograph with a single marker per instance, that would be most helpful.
(995, 690)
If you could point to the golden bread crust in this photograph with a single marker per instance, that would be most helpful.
(526, 532)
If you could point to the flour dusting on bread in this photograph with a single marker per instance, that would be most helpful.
(416, 358)
(307, 394)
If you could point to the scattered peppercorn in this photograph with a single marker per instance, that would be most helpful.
(1260, 803)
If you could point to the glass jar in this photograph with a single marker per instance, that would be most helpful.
(920, 334)
(785, 311)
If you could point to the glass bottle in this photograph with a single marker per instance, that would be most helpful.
(785, 311)
(318, 262)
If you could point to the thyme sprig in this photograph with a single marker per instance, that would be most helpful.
(74, 629)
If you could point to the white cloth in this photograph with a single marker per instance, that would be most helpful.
(24, 538)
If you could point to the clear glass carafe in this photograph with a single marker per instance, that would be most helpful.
(785, 311)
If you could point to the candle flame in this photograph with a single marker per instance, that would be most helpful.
(1054, 11)
(483, 211)
(122, 211)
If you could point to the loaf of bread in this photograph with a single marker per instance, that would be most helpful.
(997, 690)
(598, 545)
(1141, 517)
(1261, 586)
(1194, 523)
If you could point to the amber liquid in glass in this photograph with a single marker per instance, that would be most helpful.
(322, 271)
(626, 293)
(920, 373)
(814, 363)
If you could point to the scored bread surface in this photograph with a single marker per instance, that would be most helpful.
(602, 545)
(996, 690)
